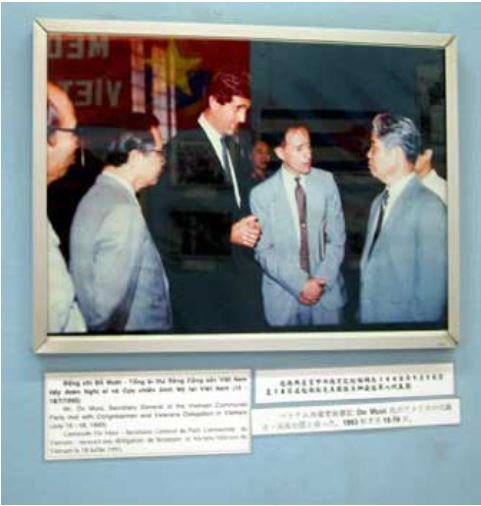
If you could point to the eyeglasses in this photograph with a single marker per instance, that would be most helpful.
(153, 150)
(75, 130)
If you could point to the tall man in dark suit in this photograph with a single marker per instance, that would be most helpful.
(200, 219)
(404, 261)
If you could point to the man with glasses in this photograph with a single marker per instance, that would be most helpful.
(117, 271)
(63, 313)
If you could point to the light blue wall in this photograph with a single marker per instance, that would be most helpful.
(428, 465)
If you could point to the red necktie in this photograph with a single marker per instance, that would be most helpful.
(301, 208)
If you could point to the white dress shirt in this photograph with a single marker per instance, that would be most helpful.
(436, 184)
(215, 139)
(289, 180)
(395, 191)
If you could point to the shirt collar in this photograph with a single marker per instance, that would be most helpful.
(396, 189)
(430, 176)
(290, 178)
(211, 132)
(121, 181)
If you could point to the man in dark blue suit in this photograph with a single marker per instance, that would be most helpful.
(199, 216)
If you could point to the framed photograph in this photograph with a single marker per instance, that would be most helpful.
(201, 187)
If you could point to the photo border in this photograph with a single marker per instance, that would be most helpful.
(289, 341)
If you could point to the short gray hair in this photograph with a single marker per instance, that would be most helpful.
(399, 131)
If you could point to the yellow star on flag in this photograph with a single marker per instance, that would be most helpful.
(183, 67)
(179, 67)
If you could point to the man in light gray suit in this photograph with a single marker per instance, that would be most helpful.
(118, 273)
(302, 244)
(404, 263)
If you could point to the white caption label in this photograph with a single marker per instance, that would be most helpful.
(327, 384)
(355, 416)
(100, 415)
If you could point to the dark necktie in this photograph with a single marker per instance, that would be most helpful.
(380, 218)
(225, 159)
(301, 208)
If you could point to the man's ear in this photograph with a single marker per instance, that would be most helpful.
(279, 151)
(213, 104)
(424, 164)
(134, 156)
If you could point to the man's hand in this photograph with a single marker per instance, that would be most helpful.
(312, 291)
(246, 232)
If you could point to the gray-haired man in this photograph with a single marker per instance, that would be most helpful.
(404, 261)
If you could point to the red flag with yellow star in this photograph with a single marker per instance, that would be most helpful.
(107, 77)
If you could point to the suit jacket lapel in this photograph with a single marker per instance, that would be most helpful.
(241, 170)
(315, 215)
(371, 226)
(398, 211)
(283, 218)
(217, 166)
(395, 216)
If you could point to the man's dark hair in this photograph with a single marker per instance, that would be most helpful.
(259, 138)
(135, 135)
(226, 83)
(119, 149)
(281, 138)
(399, 131)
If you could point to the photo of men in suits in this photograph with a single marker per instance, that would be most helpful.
(303, 234)
(200, 219)
(404, 260)
(233, 241)
(118, 273)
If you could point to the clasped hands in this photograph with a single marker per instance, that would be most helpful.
(246, 232)
(312, 291)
